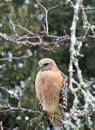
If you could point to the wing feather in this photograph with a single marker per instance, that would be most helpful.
(63, 92)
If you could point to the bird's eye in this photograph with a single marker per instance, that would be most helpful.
(45, 64)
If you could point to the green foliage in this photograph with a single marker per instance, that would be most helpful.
(15, 71)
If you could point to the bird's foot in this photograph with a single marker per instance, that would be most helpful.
(52, 117)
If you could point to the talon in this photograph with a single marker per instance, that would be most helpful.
(52, 117)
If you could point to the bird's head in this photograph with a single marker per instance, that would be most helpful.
(46, 64)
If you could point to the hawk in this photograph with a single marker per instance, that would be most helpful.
(51, 90)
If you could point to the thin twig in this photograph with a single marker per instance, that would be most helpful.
(14, 58)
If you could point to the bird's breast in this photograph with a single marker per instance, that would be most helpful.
(48, 85)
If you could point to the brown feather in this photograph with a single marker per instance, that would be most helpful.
(50, 84)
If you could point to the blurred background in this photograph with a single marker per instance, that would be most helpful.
(18, 63)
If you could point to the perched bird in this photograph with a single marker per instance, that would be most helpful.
(51, 90)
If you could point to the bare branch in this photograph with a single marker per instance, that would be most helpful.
(46, 15)
(9, 109)
(1, 126)
(73, 41)
(89, 8)
(14, 58)
(22, 40)
(14, 27)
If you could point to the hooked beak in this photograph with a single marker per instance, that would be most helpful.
(40, 66)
